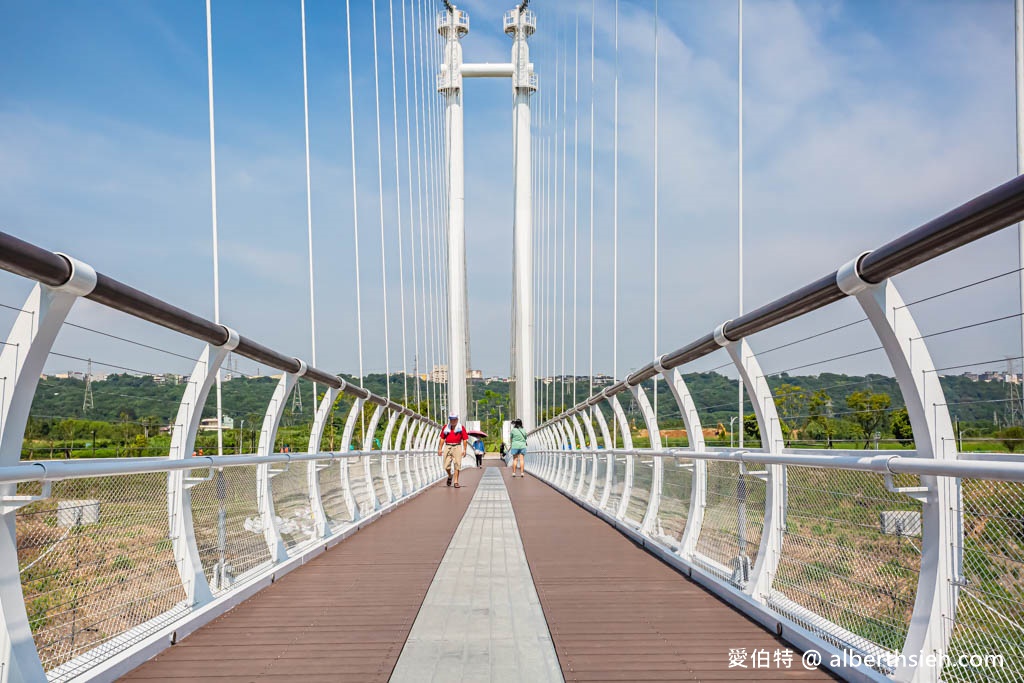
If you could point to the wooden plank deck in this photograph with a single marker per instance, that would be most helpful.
(616, 613)
(343, 616)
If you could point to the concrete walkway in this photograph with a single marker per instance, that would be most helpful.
(481, 619)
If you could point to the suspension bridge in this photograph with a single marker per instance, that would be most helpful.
(648, 541)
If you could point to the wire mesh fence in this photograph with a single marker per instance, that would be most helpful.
(733, 521)
(359, 484)
(96, 560)
(292, 509)
(229, 527)
(674, 510)
(377, 476)
(617, 485)
(332, 494)
(640, 492)
(990, 610)
(851, 557)
(600, 475)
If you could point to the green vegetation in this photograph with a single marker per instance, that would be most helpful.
(132, 413)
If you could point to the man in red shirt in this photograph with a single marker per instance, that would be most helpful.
(452, 447)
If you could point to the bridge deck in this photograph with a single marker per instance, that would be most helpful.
(614, 612)
(617, 613)
(344, 616)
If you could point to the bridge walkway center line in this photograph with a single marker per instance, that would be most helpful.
(481, 619)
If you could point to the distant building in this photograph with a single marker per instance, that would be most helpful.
(991, 376)
(69, 375)
(439, 374)
(474, 374)
(973, 376)
(209, 424)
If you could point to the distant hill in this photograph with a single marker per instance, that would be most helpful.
(131, 397)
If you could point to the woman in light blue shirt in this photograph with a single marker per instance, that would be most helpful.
(518, 446)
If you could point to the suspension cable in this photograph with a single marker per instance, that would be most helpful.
(421, 183)
(593, 99)
(213, 217)
(739, 270)
(398, 206)
(380, 205)
(436, 181)
(309, 199)
(562, 203)
(575, 200)
(412, 221)
(655, 317)
(441, 183)
(355, 194)
(553, 211)
(543, 254)
(615, 230)
(416, 21)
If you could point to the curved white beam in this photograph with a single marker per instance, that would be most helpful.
(699, 477)
(941, 527)
(21, 363)
(264, 474)
(323, 412)
(627, 442)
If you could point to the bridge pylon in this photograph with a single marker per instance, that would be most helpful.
(519, 24)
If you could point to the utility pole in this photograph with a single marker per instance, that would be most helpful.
(87, 402)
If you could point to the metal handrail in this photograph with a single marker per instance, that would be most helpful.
(881, 463)
(54, 270)
(57, 470)
(987, 213)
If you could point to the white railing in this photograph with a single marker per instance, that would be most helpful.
(911, 560)
(104, 562)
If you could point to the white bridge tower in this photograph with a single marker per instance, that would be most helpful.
(452, 25)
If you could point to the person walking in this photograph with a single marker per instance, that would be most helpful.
(518, 446)
(452, 448)
(478, 450)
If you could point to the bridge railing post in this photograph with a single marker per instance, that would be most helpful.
(321, 526)
(698, 480)
(22, 359)
(937, 595)
(373, 503)
(386, 456)
(609, 445)
(582, 464)
(627, 444)
(759, 583)
(346, 441)
(266, 473)
(594, 445)
(179, 488)
(650, 515)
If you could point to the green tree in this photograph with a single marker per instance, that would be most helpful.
(790, 402)
(900, 426)
(870, 411)
(820, 425)
(1012, 437)
(750, 428)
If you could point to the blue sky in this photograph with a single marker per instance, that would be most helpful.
(863, 120)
